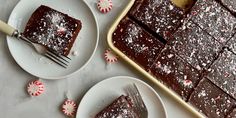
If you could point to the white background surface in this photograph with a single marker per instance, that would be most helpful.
(15, 102)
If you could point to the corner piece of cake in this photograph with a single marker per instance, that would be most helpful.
(211, 100)
(54, 30)
(136, 43)
(122, 107)
(160, 16)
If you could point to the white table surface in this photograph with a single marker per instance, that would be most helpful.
(16, 103)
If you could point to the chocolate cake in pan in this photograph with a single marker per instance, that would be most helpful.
(197, 58)
(136, 43)
(214, 19)
(55, 30)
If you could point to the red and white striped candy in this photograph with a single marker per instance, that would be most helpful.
(188, 83)
(69, 107)
(110, 57)
(35, 88)
(104, 6)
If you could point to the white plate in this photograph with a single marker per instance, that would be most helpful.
(39, 66)
(103, 93)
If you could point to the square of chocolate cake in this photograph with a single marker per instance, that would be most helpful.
(54, 30)
(232, 114)
(230, 4)
(160, 16)
(223, 72)
(211, 100)
(136, 43)
(195, 46)
(214, 19)
(173, 71)
(122, 107)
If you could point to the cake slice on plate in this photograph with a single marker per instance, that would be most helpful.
(54, 30)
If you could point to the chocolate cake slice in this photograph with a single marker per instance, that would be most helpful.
(55, 30)
(136, 43)
(214, 19)
(223, 72)
(120, 108)
(174, 72)
(211, 100)
(160, 16)
(195, 45)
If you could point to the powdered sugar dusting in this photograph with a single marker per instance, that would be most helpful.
(202, 93)
(155, 3)
(135, 42)
(56, 25)
(164, 68)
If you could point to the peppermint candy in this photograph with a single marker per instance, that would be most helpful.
(69, 107)
(110, 57)
(104, 6)
(35, 88)
(188, 83)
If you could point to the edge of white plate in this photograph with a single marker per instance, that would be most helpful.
(131, 78)
(58, 77)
